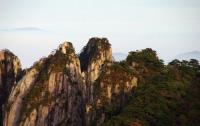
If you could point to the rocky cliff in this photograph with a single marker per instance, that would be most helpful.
(93, 56)
(10, 69)
(50, 93)
(104, 88)
(66, 89)
(91, 89)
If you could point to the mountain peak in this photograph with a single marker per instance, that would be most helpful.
(7, 55)
(96, 49)
(99, 43)
(65, 47)
(5, 51)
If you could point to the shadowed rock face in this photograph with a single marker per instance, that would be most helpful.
(97, 52)
(64, 89)
(10, 69)
(93, 55)
(107, 85)
(110, 92)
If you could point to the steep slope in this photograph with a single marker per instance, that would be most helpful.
(166, 96)
(61, 90)
(111, 92)
(10, 69)
(50, 93)
(94, 55)
(104, 89)
(97, 52)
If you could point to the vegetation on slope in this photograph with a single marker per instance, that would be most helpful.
(110, 102)
(166, 96)
(39, 94)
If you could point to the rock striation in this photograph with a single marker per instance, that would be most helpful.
(107, 84)
(94, 55)
(10, 70)
(68, 89)
(50, 94)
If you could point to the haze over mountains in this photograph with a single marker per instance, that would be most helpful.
(189, 55)
(170, 27)
(133, 72)
(119, 56)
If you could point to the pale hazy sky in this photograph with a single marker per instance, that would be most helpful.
(33, 28)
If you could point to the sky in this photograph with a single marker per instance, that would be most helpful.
(31, 29)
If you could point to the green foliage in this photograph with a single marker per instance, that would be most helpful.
(108, 78)
(168, 97)
(146, 56)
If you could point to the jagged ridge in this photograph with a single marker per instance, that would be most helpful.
(58, 90)
(52, 86)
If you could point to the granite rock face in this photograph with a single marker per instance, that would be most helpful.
(94, 55)
(66, 89)
(50, 94)
(111, 92)
(10, 70)
(107, 85)
(97, 52)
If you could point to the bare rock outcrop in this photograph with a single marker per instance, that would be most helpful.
(10, 69)
(94, 55)
(66, 89)
(50, 94)
(107, 84)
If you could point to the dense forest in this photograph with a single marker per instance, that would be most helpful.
(166, 94)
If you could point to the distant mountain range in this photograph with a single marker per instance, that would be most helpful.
(189, 55)
(119, 56)
(183, 56)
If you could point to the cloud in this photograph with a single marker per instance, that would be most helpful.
(24, 29)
